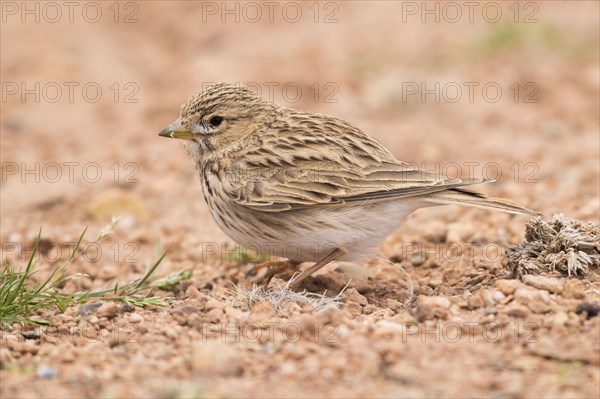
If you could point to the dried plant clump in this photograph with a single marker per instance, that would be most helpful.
(571, 247)
(278, 296)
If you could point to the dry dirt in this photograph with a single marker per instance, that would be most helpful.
(473, 331)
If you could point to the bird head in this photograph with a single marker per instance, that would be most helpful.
(218, 117)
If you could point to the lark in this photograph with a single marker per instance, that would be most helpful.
(304, 186)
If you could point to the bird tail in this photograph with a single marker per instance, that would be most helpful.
(466, 197)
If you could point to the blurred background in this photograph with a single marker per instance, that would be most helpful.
(505, 89)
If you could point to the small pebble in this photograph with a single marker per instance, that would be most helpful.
(45, 371)
(89, 308)
(352, 295)
(507, 287)
(517, 311)
(418, 259)
(549, 284)
(430, 307)
(574, 289)
(356, 272)
(560, 319)
(213, 304)
(591, 309)
(498, 296)
(108, 310)
(135, 318)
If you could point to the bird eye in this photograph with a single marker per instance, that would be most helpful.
(216, 120)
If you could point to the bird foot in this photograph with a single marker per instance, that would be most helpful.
(274, 268)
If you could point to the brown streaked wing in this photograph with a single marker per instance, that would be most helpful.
(300, 170)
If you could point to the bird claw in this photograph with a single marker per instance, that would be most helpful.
(274, 268)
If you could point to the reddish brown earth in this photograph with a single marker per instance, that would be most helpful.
(473, 331)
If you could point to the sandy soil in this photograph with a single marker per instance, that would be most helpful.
(71, 159)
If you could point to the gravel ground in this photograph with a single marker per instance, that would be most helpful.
(426, 89)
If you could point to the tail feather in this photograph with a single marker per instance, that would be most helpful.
(466, 197)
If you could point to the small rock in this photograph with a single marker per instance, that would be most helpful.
(537, 300)
(89, 308)
(127, 308)
(135, 318)
(214, 315)
(517, 310)
(32, 333)
(186, 309)
(213, 304)
(170, 332)
(475, 301)
(526, 295)
(27, 347)
(435, 283)
(290, 307)
(488, 297)
(193, 293)
(237, 315)
(108, 310)
(393, 304)
(264, 307)
(507, 287)
(352, 295)
(61, 318)
(539, 307)
(498, 296)
(560, 319)
(590, 308)
(356, 272)
(574, 289)
(418, 258)
(429, 307)
(45, 371)
(353, 308)
(451, 277)
(369, 308)
(550, 284)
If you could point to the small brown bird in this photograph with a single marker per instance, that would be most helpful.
(304, 186)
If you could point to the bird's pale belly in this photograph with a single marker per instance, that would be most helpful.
(309, 236)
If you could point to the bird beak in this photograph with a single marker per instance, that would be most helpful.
(177, 131)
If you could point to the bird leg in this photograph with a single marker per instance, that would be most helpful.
(336, 253)
(268, 264)
(275, 267)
